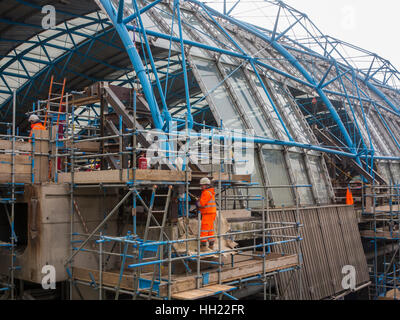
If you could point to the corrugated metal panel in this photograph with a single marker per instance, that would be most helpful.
(354, 245)
(336, 249)
(331, 240)
(289, 287)
(322, 287)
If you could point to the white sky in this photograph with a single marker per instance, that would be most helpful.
(369, 24)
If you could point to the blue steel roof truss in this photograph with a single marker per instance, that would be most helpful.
(377, 76)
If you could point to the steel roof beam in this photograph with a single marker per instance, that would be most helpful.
(136, 61)
(297, 65)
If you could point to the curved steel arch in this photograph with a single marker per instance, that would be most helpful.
(49, 63)
(117, 18)
(296, 64)
(386, 67)
(367, 78)
(119, 24)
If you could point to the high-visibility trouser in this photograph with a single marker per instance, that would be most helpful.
(207, 226)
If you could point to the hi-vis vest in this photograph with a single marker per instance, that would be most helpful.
(210, 206)
(36, 126)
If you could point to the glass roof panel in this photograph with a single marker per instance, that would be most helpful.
(248, 102)
(217, 92)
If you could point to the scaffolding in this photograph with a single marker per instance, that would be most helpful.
(9, 192)
(381, 220)
(150, 262)
(340, 110)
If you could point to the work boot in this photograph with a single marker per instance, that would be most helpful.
(211, 245)
(203, 247)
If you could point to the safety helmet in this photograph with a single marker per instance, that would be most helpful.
(33, 118)
(205, 181)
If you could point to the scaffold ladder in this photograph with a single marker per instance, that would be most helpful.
(151, 224)
(54, 96)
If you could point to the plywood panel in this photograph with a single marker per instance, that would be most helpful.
(87, 146)
(236, 214)
(19, 177)
(19, 145)
(113, 176)
(22, 168)
(380, 234)
(109, 278)
(41, 163)
(231, 177)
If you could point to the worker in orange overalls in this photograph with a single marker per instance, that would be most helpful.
(35, 124)
(208, 210)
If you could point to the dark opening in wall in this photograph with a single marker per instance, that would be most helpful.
(20, 224)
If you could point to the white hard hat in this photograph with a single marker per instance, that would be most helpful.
(179, 163)
(205, 181)
(33, 118)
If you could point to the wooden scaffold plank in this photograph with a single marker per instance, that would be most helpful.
(202, 292)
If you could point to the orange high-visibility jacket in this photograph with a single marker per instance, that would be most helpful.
(207, 201)
(349, 198)
(36, 126)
